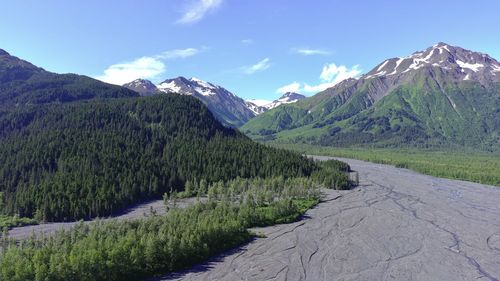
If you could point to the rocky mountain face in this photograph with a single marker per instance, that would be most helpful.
(142, 86)
(227, 107)
(439, 95)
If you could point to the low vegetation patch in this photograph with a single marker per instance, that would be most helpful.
(7, 222)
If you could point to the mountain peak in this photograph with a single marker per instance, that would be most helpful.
(226, 106)
(462, 64)
(142, 86)
(288, 97)
(193, 86)
(292, 95)
(3, 53)
(203, 83)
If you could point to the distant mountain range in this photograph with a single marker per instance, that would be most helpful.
(227, 107)
(439, 96)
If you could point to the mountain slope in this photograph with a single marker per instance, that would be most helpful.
(227, 107)
(23, 83)
(438, 96)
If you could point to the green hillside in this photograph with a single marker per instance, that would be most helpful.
(428, 106)
(81, 160)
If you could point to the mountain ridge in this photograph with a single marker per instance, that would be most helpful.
(23, 83)
(435, 83)
(228, 107)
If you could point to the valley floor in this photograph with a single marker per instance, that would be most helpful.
(475, 166)
(397, 225)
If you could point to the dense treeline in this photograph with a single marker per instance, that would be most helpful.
(135, 250)
(87, 159)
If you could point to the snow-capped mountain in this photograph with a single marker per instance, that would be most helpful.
(442, 95)
(261, 106)
(441, 62)
(459, 63)
(286, 98)
(142, 86)
(226, 106)
(255, 107)
(192, 87)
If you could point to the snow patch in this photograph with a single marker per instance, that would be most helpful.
(202, 83)
(416, 64)
(204, 91)
(169, 87)
(398, 62)
(474, 67)
(382, 65)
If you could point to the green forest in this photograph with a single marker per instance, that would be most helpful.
(63, 162)
(153, 246)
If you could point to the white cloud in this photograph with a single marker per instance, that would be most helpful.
(145, 67)
(261, 65)
(148, 67)
(317, 88)
(292, 87)
(335, 74)
(311, 52)
(178, 53)
(330, 76)
(197, 10)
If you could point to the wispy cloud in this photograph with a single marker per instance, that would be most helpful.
(260, 66)
(121, 73)
(247, 42)
(310, 52)
(330, 76)
(197, 10)
(292, 87)
(147, 67)
(179, 53)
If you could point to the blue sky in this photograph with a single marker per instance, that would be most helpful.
(253, 48)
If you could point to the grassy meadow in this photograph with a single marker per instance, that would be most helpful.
(481, 167)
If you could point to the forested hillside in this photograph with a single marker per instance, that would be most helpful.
(81, 160)
(23, 83)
